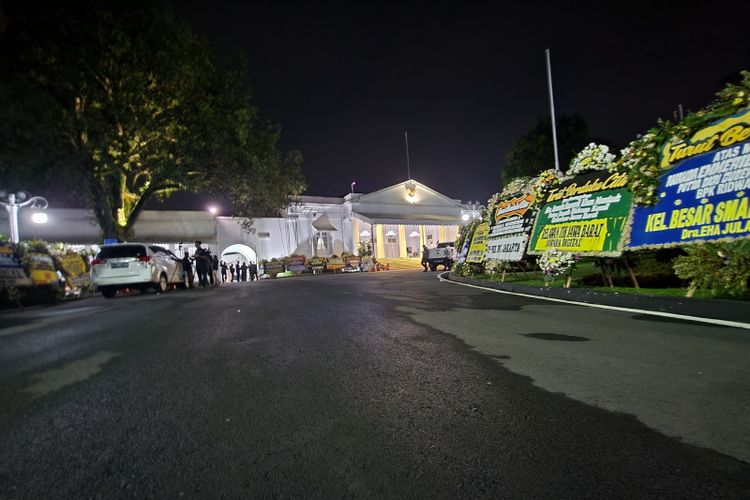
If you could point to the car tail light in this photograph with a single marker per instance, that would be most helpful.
(96, 262)
(144, 258)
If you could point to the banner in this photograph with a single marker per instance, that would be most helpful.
(334, 264)
(351, 263)
(75, 268)
(478, 243)
(464, 251)
(586, 214)
(316, 262)
(12, 272)
(42, 269)
(273, 267)
(295, 264)
(704, 194)
(510, 232)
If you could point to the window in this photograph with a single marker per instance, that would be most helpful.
(121, 251)
(323, 241)
(264, 235)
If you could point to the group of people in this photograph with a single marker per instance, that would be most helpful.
(207, 267)
(238, 272)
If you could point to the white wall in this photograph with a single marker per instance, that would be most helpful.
(78, 226)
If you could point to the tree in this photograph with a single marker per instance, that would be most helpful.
(534, 151)
(123, 103)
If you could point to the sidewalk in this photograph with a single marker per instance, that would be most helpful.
(717, 309)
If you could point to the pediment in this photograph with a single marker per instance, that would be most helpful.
(397, 194)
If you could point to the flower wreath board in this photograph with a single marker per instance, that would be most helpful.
(512, 222)
(586, 214)
(478, 243)
(703, 193)
(12, 272)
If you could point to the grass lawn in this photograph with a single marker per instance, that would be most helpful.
(536, 278)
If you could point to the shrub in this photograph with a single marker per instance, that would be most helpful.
(721, 268)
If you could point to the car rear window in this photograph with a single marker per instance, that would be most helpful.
(118, 251)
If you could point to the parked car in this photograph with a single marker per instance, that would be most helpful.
(444, 254)
(135, 265)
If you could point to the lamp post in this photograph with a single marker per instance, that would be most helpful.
(16, 201)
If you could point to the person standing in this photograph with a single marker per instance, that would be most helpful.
(253, 271)
(202, 264)
(425, 257)
(243, 271)
(215, 269)
(223, 271)
(187, 269)
(210, 270)
(231, 272)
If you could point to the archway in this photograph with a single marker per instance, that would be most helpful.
(239, 252)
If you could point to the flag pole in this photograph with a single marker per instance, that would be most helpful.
(552, 111)
(408, 166)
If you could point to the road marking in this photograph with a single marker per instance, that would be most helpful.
(698, 319)
(76, 371)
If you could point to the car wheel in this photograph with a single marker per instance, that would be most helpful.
(433, 267)
(162, 285)
(108, 293)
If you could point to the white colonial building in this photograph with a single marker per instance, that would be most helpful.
(396, 220)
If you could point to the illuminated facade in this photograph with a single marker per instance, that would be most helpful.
(396, 220)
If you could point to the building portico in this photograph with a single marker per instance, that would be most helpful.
(396, 220)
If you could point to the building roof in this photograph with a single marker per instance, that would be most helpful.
(323, 223)
(408, 202)
(424, 195)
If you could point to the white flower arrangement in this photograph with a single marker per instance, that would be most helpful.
(543, 182)
(640, 161)
(555, 263)
(592, 157)
(494, 267)
(492, 203)
(515, 187)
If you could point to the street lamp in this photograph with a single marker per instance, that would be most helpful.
(39, 218)
(19, 200)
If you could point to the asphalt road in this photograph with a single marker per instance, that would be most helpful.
(387, 385)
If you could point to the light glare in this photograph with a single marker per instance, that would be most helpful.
(39, 217)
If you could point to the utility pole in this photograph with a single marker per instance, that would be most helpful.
(552, 111)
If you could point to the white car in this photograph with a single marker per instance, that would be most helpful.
(135, 265)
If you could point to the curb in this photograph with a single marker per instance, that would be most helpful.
(716, 311)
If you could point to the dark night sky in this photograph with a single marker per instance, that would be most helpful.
(466, 79)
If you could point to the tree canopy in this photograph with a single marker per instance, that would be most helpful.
(122, 103)
(534, 151)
